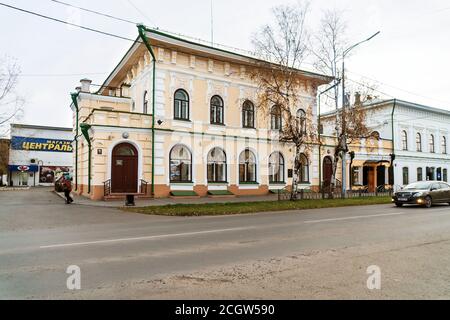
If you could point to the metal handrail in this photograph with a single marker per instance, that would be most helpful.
(107, 187)
(144, 186)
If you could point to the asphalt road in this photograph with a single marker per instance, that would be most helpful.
(40, 238)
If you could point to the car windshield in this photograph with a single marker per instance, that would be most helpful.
(418, 186)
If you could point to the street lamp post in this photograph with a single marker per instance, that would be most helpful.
(344, 129)
(337, 82)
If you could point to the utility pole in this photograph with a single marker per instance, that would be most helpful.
(344, 125)
(319, 122)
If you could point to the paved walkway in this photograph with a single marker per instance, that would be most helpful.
(79, 200)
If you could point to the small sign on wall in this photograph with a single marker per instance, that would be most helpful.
(99, 152)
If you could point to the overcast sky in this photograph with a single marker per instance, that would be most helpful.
(409, 58)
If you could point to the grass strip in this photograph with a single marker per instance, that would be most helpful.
(231, 208)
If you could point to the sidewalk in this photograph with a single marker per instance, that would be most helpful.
(5, 189)
(79, 200)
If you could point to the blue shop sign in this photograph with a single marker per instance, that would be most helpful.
(39, 144)
(23, 168)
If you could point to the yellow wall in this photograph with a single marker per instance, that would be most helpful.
(202, 78)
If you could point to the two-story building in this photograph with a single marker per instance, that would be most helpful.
(409, 143)
(178, 118)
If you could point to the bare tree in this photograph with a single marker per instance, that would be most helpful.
(282, 47)
(355, 116)
(328, 46)
(10, 103)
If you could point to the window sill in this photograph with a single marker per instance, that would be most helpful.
(249, 183)
(182, 183)
(217, 183)
(277, 183)
(183, 120)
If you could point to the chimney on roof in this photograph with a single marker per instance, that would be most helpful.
(357, 98)
(86, 85)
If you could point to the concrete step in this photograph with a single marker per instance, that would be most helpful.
(122, 197)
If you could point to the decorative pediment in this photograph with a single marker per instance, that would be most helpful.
(247, 93)
(216, 88)
(181, 81)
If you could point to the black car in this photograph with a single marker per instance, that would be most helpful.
(423, 193)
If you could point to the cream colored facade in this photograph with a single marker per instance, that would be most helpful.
(121, 113)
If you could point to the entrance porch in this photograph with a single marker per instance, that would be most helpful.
(370, 175)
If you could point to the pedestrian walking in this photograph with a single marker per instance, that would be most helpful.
(67, 188)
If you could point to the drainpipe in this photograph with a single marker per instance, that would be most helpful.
(77, 110)
(142, 30)
(393, 143)
(85, 131)
(320, 148)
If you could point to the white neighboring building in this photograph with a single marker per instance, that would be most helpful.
(39, 154)
(421, 137)
(418, 136)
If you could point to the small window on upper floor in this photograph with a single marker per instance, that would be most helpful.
(431, 142)
(444, 145)
(217, 110)
(181, 105)
(248, 115)
(404, 137)
(301, 120)
(418, 142)
(276, 122)
(145, 104)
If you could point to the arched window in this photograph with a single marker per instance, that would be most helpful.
(405, 176)
(217, 110)
(301, 120)
(444, 145)
(419, 174)
(248, 115)
(276, 122)
(180, 164)
(217, 166)
(124, 149)
(418, 142)
(375, 135)
(431, 142)
(145, 104)
(181, 105)
(276, 168)
(304, 169)
(247, 167)
(404, 141)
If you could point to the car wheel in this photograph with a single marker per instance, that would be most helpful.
(428, 202)
(399, 205)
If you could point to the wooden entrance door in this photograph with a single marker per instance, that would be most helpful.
(381, 176)
(327, 171)
(124, 171)
(371, 176)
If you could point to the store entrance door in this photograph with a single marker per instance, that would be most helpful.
(23, 179)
